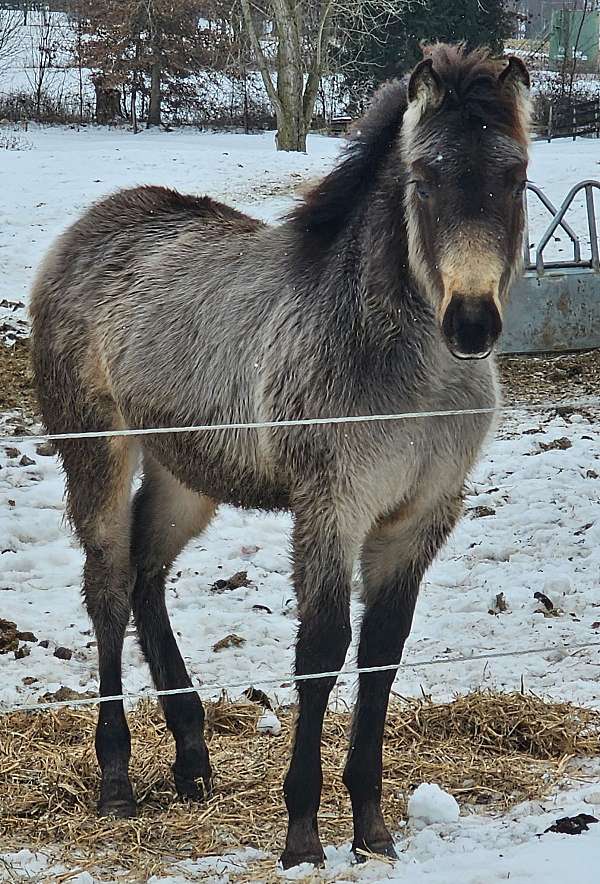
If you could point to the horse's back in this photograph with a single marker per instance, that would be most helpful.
(111, 279)
(115, 235)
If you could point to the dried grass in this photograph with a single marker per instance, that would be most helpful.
(485, 748)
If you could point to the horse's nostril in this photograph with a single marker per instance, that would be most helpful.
(471, 325)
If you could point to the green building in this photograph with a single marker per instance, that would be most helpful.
(576, 34)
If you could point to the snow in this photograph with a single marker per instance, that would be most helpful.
(268, 723)
(20, 65)
(429, 804)
(45, 188)
(555, 167)
(585, 86)
(544, 534)
(543, 537)
(475, 849)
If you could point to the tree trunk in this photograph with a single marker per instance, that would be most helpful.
(155, 97)
(38, 100)
(80, 67)
(291, 126)
(246, 109)
(291, 133)
(108, 104)
(134, 117)
(292, 102)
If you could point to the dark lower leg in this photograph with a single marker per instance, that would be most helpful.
(321, 647)
(113, 748)
(384, 630)
(113, 742)
(184, 713)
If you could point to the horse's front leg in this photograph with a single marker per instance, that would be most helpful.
(322, 573)
(394, 559)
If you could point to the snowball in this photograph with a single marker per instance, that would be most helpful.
(268, 723)
(431, 804)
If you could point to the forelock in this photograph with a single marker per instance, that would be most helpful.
(473, 93)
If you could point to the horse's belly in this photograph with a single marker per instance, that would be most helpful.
(229, 473)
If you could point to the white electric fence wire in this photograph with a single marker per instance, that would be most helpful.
(593, 402)
(564, 650)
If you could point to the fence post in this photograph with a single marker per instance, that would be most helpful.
(574, 107)
(550, 119)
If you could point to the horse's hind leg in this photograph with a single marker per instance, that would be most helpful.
(99, 473)
(394, 559)
(166, 516)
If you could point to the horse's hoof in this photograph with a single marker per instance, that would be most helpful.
(192, 788)
(118, 808)
(289, 859)
(372, 851)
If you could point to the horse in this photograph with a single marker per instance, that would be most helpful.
(382, 292)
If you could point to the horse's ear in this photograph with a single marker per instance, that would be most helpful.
(425, 86)
(515, 74)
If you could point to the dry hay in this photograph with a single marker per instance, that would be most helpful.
(485, 748)
(549, 377)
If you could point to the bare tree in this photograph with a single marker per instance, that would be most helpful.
(10, 24)
(42, 51)
(77, 52)
(292, 69)
(585, 10)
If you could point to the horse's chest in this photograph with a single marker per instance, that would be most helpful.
(426, 458)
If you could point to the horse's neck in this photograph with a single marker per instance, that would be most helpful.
(391, 301)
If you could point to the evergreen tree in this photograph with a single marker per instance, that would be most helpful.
(394, 48)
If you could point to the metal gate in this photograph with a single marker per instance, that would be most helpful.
(555, 305)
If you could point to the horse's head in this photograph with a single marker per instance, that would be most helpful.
(464, 142)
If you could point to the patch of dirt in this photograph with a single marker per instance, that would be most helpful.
(230, 641)
(535, 379)
(16, 378)
(13, 324)
(10, 636)
(238, 581)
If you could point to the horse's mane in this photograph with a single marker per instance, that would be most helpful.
(471, 85)
(326, 207)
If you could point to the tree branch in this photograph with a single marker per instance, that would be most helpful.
(316, 68)
(261, 60)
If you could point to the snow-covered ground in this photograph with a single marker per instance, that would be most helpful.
(543, 536)
(532, 525)
(478, 849)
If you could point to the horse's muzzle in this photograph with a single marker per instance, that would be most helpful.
(471, 325)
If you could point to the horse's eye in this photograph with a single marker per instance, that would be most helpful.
(423, 190)
(520, 189)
